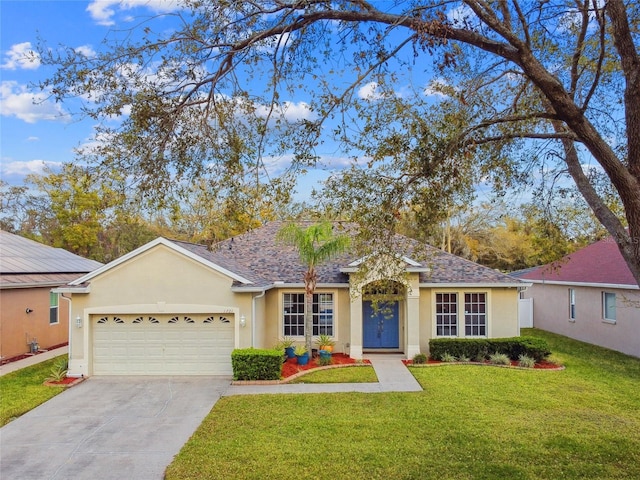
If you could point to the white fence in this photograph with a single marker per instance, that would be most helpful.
(525, 312)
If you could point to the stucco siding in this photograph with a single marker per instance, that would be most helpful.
(17, 326)
(504, 313)
(551, 312)
(273, 319)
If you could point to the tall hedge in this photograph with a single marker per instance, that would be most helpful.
(480, 348)
(256, 364)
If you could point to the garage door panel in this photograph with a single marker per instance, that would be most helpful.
(168, 345)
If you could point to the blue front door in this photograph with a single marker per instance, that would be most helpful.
(380, 329)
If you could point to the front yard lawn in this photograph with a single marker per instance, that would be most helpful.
(359, 374)
(22, 390)
(469, 423)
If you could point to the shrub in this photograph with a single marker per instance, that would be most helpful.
(447, 357)
(323, 361)
(526, 361)
(59, 371)
(419, 358)
(478, 348)
(256, 364)
(500, 359)
(462, 358)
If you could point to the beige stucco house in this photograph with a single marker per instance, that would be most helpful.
(589, 295)
(172, 307)
(33, 318)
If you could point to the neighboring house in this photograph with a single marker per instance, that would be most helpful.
(31, 316)
(172, 307)
(589, 295)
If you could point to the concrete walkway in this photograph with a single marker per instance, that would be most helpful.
(393, 376)
(32, 360)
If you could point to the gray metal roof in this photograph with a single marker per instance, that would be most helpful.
(19, 255)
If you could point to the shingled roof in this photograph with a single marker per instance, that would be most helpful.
(26, 263)
(257, 256)
(598, 263)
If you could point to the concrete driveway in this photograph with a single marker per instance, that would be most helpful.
(108, 428)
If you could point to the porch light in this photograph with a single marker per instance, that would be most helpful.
(243, 320)
(78, 322)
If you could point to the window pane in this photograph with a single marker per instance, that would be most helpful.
(475, 318)
(446, 314)
(293, 315)
(609, 306)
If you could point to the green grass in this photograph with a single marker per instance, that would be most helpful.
(22, 390)
(340, 375)
(469, 423)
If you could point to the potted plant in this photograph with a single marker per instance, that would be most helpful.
(302, 355)
(326, 343)
(289, 348)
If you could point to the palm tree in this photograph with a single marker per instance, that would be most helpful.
(315, 244)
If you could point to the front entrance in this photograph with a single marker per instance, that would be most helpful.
(381, 329)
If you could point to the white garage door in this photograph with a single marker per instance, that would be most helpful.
(162, 345)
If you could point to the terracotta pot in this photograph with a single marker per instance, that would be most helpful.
(327, 348)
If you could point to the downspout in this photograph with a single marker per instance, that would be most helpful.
(68, 299)
(253, 317)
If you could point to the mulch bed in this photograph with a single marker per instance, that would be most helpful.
(290, 367)
(543, 365)
(4, 361)
(65, 382)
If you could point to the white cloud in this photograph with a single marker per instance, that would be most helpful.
(33, 139)
(434, 88)
(17, 101)
(290, 111)
(369, 91)
(21, 56)
(86, 50)
(26, 168)
(102, 11)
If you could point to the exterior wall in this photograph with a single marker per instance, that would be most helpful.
(551, 312)
(502, 309)
(157, 281)
(17, 326)
(273, 319)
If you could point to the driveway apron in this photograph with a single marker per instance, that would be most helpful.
(108, 428)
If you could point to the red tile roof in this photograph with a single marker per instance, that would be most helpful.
(600, 262)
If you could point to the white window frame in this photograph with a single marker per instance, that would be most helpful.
(317, 316)
(572, 304)
(448, 314)
(54, 308)
(478, 315)
(608, 308)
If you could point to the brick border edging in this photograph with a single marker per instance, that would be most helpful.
(297, 375)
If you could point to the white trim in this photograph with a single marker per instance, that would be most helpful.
(285, 285)
(317, 291)
(167, 243)
(405, 259)
(620, 286)
(85, 289)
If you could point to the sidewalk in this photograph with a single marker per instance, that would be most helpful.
(32, 360)
(393, 376)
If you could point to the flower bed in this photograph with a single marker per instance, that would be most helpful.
(290, 367)
(542, 365)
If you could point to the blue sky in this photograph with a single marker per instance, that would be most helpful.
(34, 130)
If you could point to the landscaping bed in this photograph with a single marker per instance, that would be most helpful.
(292, 370)
(541, 365)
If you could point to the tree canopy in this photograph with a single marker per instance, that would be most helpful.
(524, 87)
